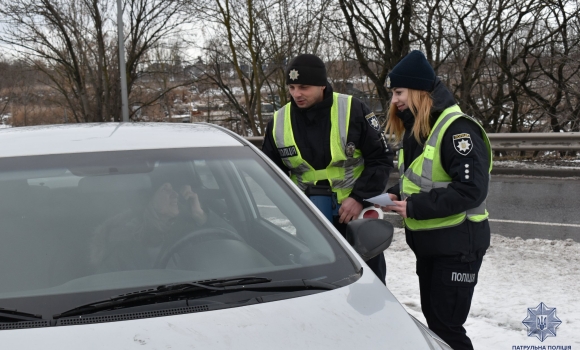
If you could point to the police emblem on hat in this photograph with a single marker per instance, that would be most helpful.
(462, 143)
(373, 121)
(350, 148)
(388, 82)
(293, 74)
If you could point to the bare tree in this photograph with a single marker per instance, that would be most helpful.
(73, 43)
(162, 72)
(509, 63)
(554, 65)
(254, 40)
(6, 85)
(469, 43)
(379, 33)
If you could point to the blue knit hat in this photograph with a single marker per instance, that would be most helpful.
(412, 72)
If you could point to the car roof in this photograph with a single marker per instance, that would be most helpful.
(103, 137)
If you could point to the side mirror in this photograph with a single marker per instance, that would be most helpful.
(369, 237)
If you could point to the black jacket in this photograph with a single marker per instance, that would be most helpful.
(311, 129)
(466, 191)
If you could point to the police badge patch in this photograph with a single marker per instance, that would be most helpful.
(350, 148)
(462, 143)
(373, 121)
(293, 74)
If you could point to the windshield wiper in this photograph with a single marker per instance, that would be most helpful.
(189, 289)
(250, 283)
(17, 316)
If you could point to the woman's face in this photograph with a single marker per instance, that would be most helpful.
(400, 97)
(165, 202)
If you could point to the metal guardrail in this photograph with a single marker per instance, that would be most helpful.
(564, 141)
(551, 141)
(519, 142)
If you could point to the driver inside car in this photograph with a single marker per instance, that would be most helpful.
(133, 240)
(164, 205)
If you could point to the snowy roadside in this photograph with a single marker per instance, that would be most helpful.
(516, 275)
(539, 164)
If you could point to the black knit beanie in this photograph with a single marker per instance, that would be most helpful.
(412, 72)
(306, 69)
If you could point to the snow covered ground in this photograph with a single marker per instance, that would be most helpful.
(516, 275)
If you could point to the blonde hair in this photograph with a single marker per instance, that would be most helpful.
(420, 103)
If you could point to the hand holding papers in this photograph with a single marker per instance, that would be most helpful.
(399, 207)
(382, 200)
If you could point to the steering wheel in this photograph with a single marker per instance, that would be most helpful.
(206, 234)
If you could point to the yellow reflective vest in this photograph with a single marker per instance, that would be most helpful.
(342, 171)
(426, 173)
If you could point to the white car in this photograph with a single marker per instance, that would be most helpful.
(179, 236)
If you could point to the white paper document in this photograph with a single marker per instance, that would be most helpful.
(382, 200)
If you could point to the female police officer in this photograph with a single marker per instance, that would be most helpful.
(444, 167)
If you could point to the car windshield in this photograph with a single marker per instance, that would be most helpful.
(81, 227)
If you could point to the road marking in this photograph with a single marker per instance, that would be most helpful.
(534, 223)
(492, 220)
(521, 222)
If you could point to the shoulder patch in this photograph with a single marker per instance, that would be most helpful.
(462, 143)
(373, 121)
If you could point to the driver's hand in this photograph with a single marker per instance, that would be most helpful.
(193, 200)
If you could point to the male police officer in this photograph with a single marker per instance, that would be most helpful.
(326, 139)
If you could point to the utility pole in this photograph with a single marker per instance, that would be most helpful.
(122, 70)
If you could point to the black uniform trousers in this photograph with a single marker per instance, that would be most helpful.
(377, 264)
(446, 286)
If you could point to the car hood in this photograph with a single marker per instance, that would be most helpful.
(362, 315)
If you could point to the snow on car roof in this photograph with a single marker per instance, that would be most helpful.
(103, 137)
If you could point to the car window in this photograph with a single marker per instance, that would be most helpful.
(206, 176)
(75, 226)
(267, 209)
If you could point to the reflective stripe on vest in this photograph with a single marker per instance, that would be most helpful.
(426, 173)
(342, 171)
